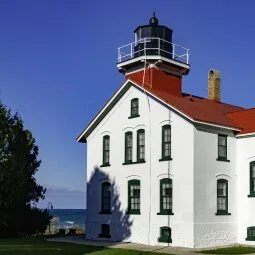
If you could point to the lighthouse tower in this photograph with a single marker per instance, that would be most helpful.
(153, 47)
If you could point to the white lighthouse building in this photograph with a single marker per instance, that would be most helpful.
(165, 167)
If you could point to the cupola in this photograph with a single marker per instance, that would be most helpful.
(153, 46)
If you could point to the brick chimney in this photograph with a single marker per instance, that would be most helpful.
(214, 85)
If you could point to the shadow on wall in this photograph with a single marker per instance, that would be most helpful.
(105, 219)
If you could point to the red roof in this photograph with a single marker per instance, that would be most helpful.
(245, 119)
(199, 109)
(168, 88)
(196, 108)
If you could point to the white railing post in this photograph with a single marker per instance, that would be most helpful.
(127, 51)
(119, 57)
(144, 46)
(173, 51)
(159, 46)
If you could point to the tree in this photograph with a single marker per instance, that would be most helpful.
(19, 162)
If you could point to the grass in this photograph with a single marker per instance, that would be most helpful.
(231, 250)
(42, 247)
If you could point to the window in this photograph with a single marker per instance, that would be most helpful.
(222, 197)
(250, 234)
(106, 198)
(106, 150)
(105, 231)
(134, 197)
(140, 145)
(252, 179)
(128, 147)
(222, 147)
(166, 196)
(165, 235)
(166, 142)
(134, 108)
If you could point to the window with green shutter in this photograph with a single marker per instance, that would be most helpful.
(165, 235)
(105, 231)
(222, 197)
(128, 147)
(106, 198)
(140, 145)
(166, 196)
(134, 112)
(250, 234)
(166, 143)
(222, 148)
(134, 197)
(106, 151)
(252, 179)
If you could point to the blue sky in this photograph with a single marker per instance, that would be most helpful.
(58, 67)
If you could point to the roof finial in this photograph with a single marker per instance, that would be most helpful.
(154, 20)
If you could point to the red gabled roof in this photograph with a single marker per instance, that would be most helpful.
(199, 109)
(196, 108)
(245, 119)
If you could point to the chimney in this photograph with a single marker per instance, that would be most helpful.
(214, 85)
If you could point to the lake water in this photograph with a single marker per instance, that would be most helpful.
(68, 217)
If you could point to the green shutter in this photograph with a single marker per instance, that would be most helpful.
(106, 198)
(128, 147)
(250, 234)
(105, 231)
(222, 197)
(252, 179)
(165, 235)
(134, 197)
(166, 196)
(106, 150)
(140, 145)
(134, 110)
(222, 147)
(166, 143)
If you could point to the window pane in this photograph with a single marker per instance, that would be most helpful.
(106, 197)
(222, 140)
(166, 135)
(166, 194)
(134, 196)
(165, 232)
(222, 152)
(134, 107)
(222, 200)
(253, 171)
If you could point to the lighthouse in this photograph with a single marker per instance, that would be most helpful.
(153, 46)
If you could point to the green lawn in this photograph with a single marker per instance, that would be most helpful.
(231, 250)
(42, 247)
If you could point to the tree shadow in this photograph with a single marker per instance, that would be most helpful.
(118, 220)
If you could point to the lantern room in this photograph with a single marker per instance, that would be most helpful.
(153, 44)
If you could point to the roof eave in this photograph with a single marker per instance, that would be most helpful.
(82, 138)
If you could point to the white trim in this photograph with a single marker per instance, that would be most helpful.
(215, 125)
(164, 122)
(247, 134)
(220, 175)
(133, 176)
(140, 126)
(106, 133)
(97, 116)
(165, 175)
(128, 128)
(163, 102)
(142, 58)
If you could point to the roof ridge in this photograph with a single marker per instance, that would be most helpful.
(243, 110)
